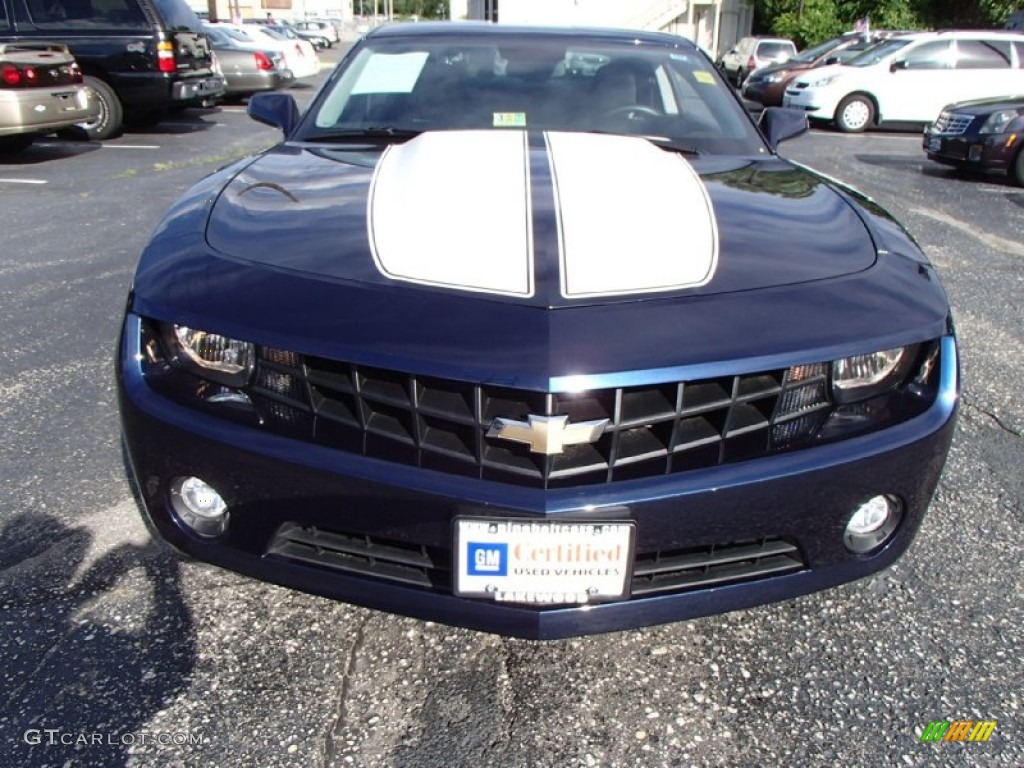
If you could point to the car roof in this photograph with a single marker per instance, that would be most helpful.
(496, 32)
(956, 34)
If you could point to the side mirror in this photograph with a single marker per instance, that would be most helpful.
(754, 108)
(899, 64)
(781, 123)
(275, 109)
(831, 60)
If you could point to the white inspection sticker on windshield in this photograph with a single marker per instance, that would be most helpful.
(390, 73)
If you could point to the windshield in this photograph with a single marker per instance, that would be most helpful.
(404, 86)
(877, 53)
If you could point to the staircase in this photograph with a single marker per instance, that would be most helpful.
(657, 14)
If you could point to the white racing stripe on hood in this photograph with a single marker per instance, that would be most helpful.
(453, 209)
(633, 218)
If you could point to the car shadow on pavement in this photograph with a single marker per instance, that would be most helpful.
(96, 643)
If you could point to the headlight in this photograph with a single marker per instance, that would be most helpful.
(860, 377)
(776, 77)
(212, 356)
(997, 121)
(822, 82)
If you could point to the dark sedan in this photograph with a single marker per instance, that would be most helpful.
(984, 135)
(248, 70)
(539, 349)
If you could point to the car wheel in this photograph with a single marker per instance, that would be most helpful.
(854, 114)
(16, 143)
(1017, 172)
(108, 123)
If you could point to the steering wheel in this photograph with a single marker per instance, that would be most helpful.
(632, 112)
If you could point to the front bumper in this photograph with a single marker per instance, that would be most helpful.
(811, 100)
(40, 110)
(971, 150)
(275, 485)
(767, 93)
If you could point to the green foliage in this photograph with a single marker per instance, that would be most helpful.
(809, 22)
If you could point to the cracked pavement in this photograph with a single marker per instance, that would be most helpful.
(106, 635)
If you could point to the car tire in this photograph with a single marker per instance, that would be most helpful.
(855, 113)
(16, 143)
(1017, 169)
(111, 116)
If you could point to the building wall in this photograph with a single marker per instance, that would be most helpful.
(715, 25)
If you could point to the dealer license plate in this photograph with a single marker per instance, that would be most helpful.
(526, 561)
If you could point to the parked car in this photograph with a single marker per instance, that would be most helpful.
(298, 54)
(982, 135)
(247, 70)
(140, 59)
(444, 352)
(41, 91)
(752, 53)
(317, 29)
(767, 85)
(908, 79)
(331, 29)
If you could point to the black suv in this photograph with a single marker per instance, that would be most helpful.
(143, 58)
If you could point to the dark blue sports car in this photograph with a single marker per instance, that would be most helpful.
(532, 331)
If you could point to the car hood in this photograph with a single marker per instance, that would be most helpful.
(553, 221)
(818, 73)
(785, 66)
(985, 106)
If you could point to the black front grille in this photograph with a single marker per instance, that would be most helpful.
(658, 572)
(443, 424)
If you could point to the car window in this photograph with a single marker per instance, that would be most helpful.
(557, 85)
(775, 50)
(178, 16)
(933, 55)
(983, 54)
(4, 24)
(86, 13)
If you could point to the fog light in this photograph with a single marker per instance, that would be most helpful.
(199, 506)
(872, 523)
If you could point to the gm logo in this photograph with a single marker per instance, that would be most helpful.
(487, 559)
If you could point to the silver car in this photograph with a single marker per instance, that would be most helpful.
(41, 91)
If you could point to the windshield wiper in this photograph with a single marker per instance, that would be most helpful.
(370, 132)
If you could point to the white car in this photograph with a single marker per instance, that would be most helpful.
(299, 55)
(910, 78)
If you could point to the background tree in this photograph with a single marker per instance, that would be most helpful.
(809, 22)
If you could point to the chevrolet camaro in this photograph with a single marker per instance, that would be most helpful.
(533, 331)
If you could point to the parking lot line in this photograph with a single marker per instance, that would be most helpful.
(131, 146)
(24, 181)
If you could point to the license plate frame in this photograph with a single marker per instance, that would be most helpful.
(547, 562)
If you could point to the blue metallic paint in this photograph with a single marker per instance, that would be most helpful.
(280, 258)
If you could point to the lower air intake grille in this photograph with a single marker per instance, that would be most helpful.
(430, 567)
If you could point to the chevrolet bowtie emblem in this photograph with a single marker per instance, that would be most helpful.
(547, 434)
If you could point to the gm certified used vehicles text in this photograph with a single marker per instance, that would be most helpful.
(910, 78)
(982, 135)
(534, 348)
(41, 91)
(141, 58)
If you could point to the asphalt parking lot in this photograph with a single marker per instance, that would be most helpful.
(115, 653)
